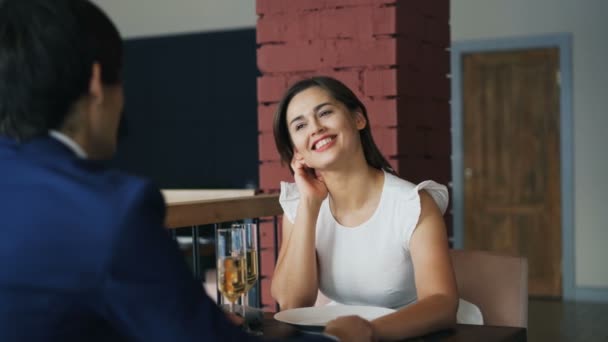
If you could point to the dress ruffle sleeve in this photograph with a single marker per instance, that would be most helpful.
(438, 192)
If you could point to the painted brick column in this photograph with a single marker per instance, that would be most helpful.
(391, 53)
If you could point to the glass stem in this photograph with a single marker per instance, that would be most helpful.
(246, 298)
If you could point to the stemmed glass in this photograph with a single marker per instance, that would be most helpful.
(251, 274)
(231, 259)
(251, 252)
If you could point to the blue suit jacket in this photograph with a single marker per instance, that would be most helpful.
(84, 256)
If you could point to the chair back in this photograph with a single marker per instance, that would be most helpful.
(497, 284)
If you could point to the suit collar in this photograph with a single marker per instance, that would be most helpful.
(42, 145)
(69, 143)
(6, 141)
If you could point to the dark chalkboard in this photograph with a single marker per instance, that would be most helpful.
(190, 118)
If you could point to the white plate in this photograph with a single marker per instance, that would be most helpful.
(320, 315)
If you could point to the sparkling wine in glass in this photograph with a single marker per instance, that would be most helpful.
(252, 269)
(252, 315)
(231, 259)
(251, 250)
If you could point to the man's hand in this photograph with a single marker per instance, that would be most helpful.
(235, 319)
(351, 329)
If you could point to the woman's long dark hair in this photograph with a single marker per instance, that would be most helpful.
(339, 92)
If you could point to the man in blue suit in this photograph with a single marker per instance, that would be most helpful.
(83, 253)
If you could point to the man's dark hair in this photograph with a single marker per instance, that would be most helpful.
(47, 51)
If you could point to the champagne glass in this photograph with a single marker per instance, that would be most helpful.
(251, 253)
(230, 252)
(252, 316)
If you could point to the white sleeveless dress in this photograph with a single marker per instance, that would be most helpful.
(369, 264)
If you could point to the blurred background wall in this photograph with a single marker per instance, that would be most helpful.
(483, 19)
(190, 83)
(175, 78)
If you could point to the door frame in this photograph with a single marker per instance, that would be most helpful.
(562, 41)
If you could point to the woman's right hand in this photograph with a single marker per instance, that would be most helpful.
(351, 329)
(310, 184)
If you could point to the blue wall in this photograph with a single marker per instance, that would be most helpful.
(190, 118)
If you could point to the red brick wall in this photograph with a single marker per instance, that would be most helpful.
(391, 53)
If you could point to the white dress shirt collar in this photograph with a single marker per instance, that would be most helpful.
(69, 143)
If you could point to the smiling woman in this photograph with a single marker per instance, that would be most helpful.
(337, 94)
(352, 229)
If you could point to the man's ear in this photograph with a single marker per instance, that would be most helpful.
(95, 84)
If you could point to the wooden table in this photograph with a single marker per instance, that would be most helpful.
(187, 208)
(462, 332)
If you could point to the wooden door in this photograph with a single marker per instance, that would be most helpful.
(512, 160)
